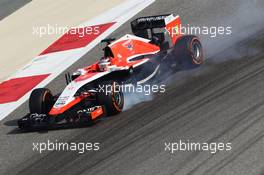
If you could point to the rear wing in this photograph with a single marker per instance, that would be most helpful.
(170, 22)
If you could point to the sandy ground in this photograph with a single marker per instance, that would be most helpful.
(19, 43)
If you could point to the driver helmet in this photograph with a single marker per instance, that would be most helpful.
(103, 64)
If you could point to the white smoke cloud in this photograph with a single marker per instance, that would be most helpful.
(134, 98)
(246, 20)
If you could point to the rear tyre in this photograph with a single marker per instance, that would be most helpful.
(188, 50)
(111, 97)
(40, 101)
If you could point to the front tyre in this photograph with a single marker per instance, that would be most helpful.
(40, 101)
(188, 50)
(111, 97)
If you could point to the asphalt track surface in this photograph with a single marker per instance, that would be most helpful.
(7, 7)
(222, 101)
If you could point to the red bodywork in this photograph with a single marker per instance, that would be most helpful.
(123, 49)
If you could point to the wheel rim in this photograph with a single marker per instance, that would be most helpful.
(197, 53)
(117, 97)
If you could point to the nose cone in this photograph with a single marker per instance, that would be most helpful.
(56, 110)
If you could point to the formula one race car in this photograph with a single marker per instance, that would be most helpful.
(91, 92)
